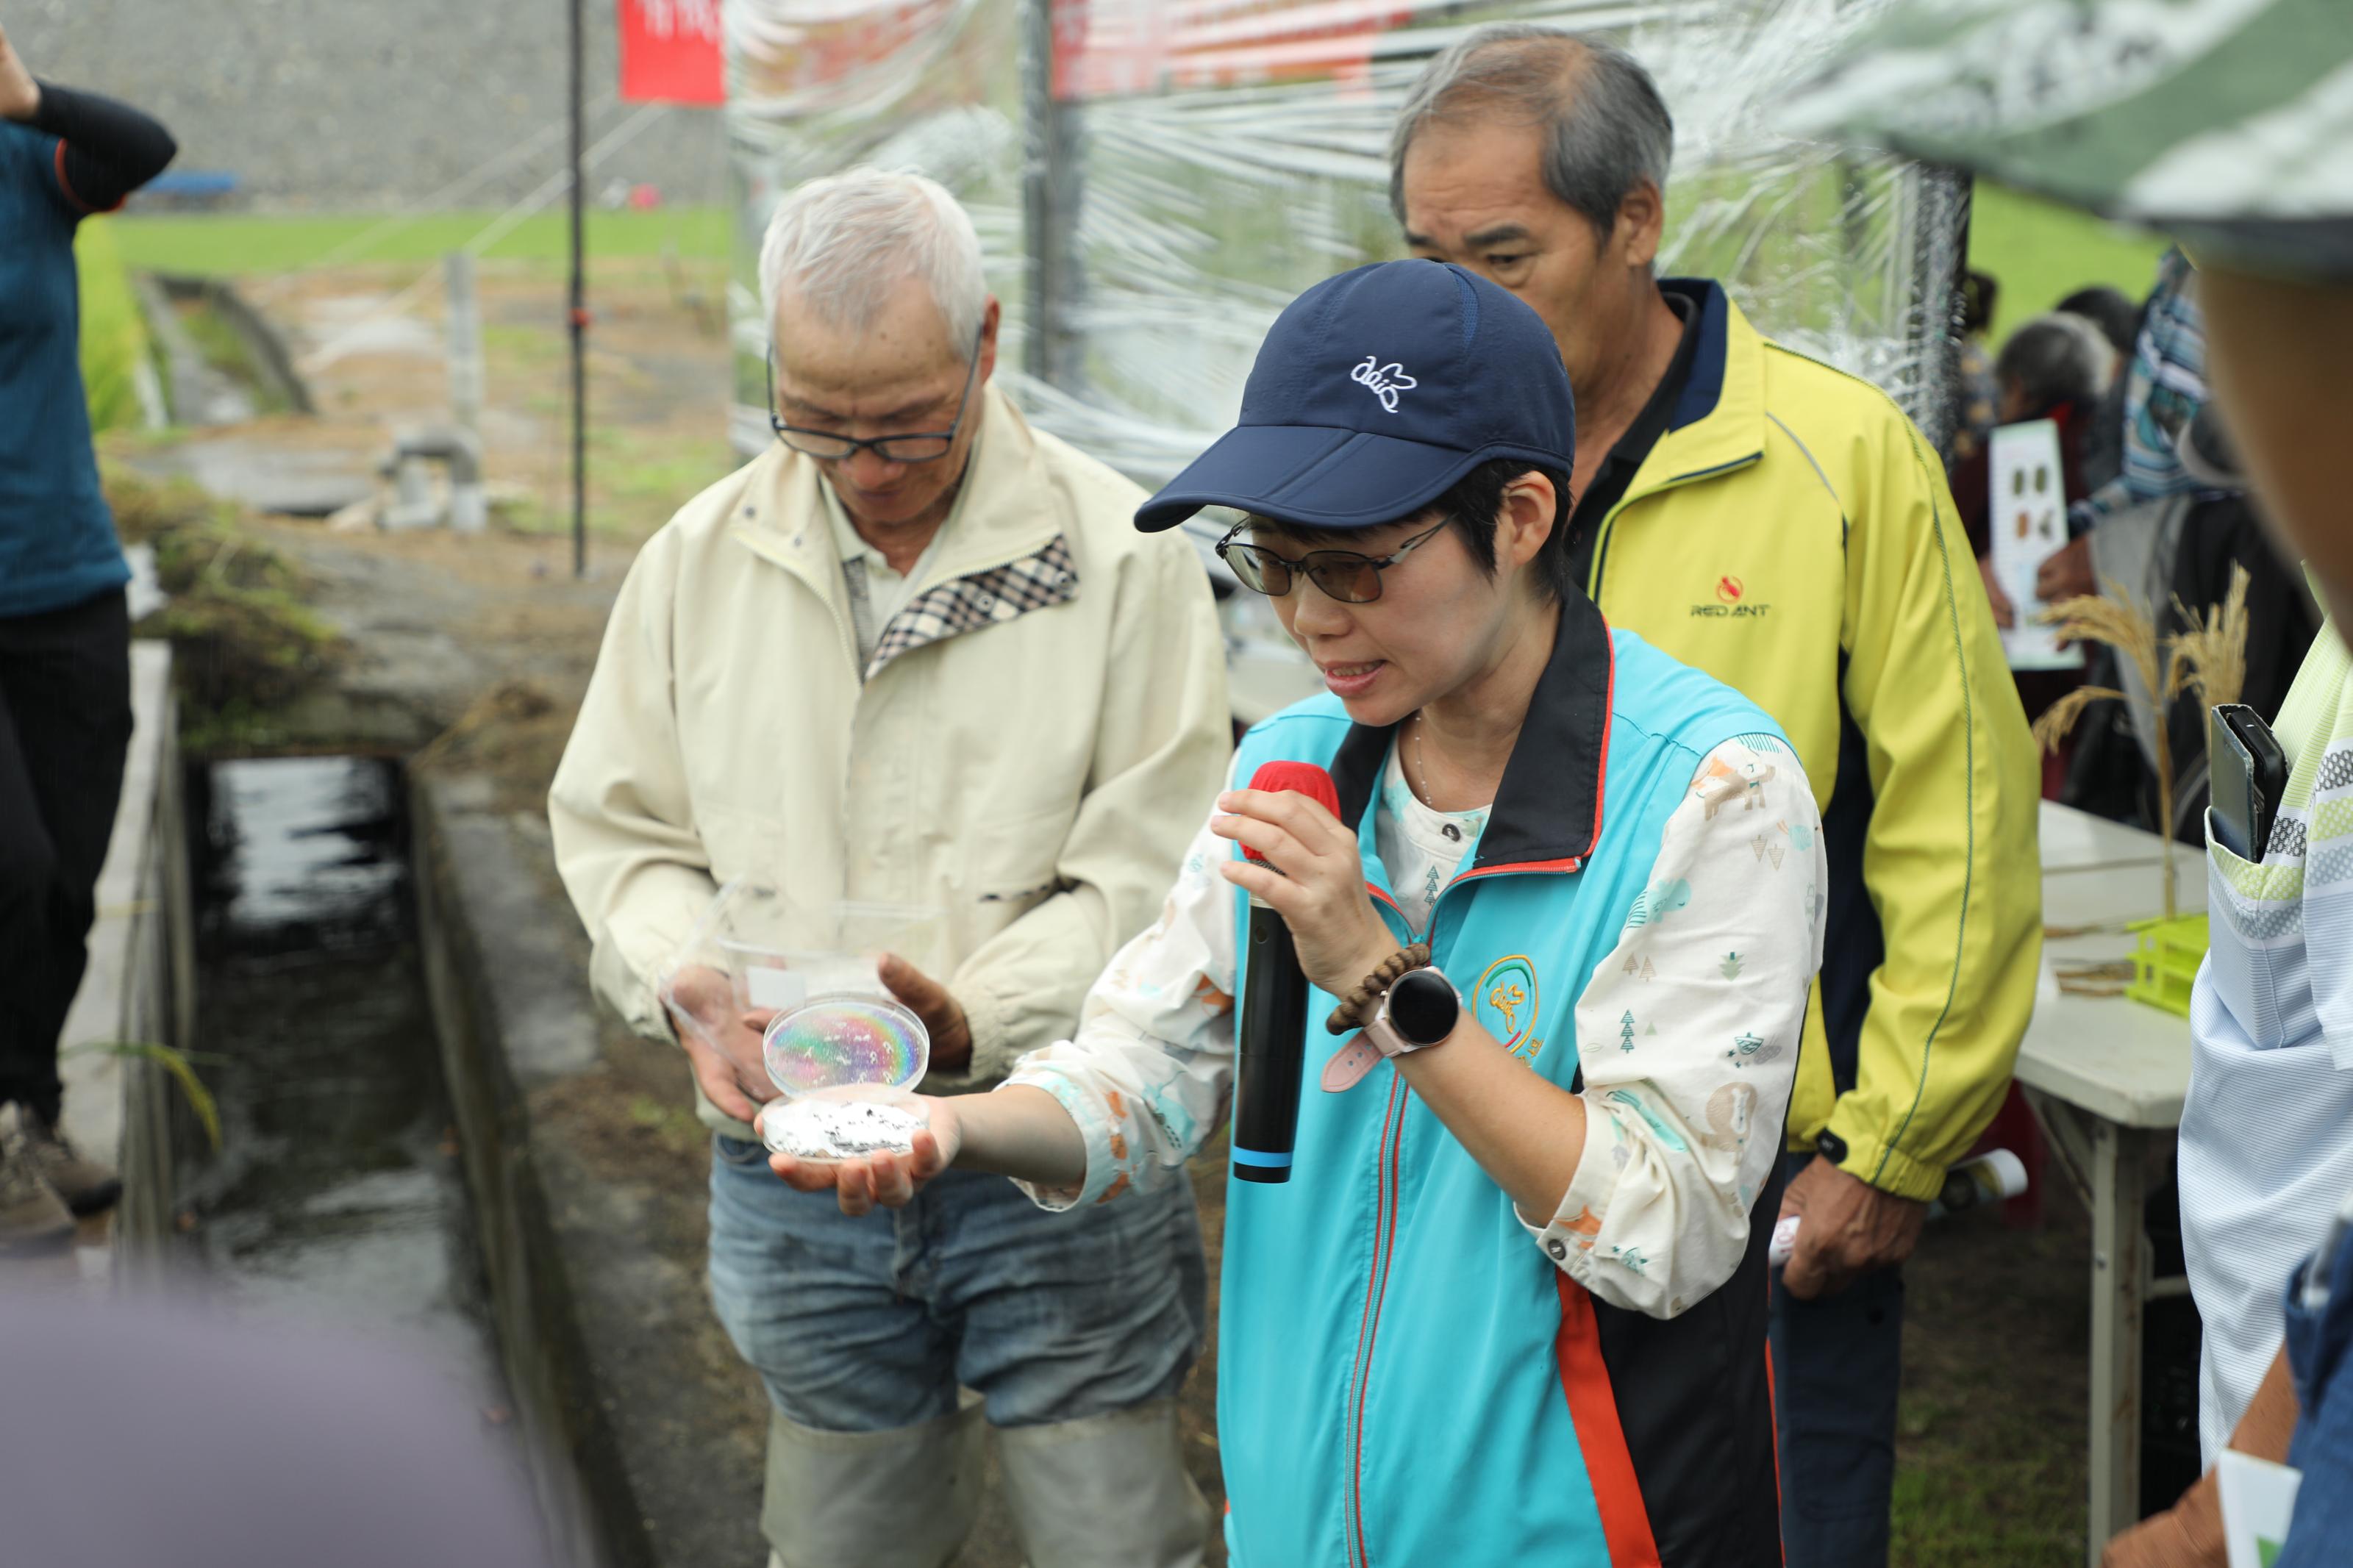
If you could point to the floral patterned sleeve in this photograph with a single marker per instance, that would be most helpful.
(1688, 1036)
(1148, 1074)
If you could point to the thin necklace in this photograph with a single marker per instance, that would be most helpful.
(1421, 757)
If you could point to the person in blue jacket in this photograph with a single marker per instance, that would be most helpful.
(1510, 1305)
(65, 663)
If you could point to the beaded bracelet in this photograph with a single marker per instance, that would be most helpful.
(1350, 1014)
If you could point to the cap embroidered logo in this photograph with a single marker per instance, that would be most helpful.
(1309, 448)
(1385, 380)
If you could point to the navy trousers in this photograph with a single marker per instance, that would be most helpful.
(65, 724)
(1837, 1362)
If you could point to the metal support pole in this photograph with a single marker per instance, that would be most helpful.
(579, 299)
(1050, 201)
(1940, 241)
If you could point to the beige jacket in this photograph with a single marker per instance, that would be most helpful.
(1041, 728)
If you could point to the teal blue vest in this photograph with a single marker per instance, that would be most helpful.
(1404, 1377)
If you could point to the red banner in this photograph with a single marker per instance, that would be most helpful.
(1120, 48)
(670, 53)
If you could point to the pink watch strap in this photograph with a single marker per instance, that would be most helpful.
(1349, 1065)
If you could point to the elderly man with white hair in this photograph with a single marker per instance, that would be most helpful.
(914, 654)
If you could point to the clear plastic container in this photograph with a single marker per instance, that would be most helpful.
(846, 1066)
(781, 957)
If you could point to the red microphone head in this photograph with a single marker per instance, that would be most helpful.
(1304, 777)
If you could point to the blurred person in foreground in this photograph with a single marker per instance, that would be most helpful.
(1509, 1307)
(65, 658)
(2218, 124)
(1782, 526)
(914, 655)
(170, 1433)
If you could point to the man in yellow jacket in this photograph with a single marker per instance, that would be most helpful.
(915, 654)
(1785, 528)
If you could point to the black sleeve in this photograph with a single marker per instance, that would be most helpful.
(109, 149)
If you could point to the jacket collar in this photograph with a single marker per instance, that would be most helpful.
(1718, 423)
(1547, 812)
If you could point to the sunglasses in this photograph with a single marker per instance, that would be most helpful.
(917, 446)
(1348, 575)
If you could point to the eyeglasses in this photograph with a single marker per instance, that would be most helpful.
(1348, 575)
(921, 446)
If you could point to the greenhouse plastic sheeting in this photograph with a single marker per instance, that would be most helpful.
(1153, 179)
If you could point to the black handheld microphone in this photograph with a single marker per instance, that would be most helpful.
(1272, 1037)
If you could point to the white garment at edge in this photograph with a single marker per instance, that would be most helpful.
(2267, 1132)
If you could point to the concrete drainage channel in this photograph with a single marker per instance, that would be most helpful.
(339, 1193)
(389, 1012)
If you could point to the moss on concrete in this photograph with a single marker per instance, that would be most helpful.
(247, 645)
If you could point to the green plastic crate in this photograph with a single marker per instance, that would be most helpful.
(2165, 961)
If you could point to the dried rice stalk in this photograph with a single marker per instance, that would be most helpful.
(2115, 618)
(2061, 716)
(2210, 659)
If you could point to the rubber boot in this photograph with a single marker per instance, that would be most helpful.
(1110, 1491)
(87, 1186)
(905, 1498)
(33, 1218)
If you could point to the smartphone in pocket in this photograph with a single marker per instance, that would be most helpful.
(2249, 776)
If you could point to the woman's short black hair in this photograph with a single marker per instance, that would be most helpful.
(1472, 503)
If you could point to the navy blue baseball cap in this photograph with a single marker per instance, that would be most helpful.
(1373, 394)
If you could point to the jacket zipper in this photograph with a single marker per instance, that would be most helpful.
(1376, 1291)
(1368, 1331)
(1377, 1277)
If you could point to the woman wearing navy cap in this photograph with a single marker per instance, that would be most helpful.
(1510, 1305)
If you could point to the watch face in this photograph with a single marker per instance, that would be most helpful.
(1423, 1007)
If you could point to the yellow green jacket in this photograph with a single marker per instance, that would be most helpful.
(1791, 534)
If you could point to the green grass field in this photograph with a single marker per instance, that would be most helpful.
(114, 333)
(2039, 254)
(209, 244)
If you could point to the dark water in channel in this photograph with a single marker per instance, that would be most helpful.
(338, 1195)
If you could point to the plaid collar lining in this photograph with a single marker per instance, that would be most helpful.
(1034, 582)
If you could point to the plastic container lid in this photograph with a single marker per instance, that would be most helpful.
(844, 1041)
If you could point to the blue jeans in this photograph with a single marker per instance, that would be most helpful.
(1837, 1362)
(2317, 1340)
(867, 1324)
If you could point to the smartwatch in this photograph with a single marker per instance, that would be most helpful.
(1418, 1011)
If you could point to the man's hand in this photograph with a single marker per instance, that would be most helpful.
(721, 1043)
(941, 1014)
(2066, 572)
(1850, 1228)
(20, 95)
(2005, 613)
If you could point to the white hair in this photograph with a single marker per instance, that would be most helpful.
(839, 245)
